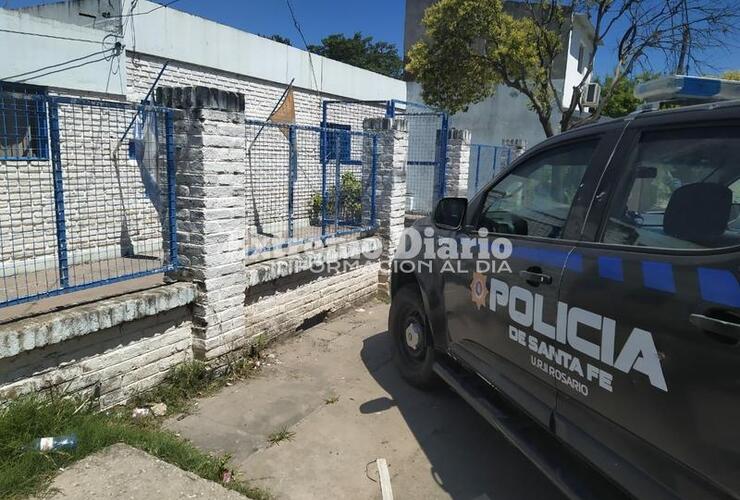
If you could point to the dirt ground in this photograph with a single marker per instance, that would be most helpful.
(335, 390)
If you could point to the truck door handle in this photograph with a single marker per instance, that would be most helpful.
(535, 277)
(726, 329)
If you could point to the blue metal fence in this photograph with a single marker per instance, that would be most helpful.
(308, 184)
(87, 194)
(426, 166)
(427, 148)
(485, 163)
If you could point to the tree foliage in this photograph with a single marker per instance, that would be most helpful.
(278, 38)
(363, 52)
(623, 100)
(472, 46)
(731, 75)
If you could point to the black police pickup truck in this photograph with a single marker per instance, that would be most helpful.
(593, 287)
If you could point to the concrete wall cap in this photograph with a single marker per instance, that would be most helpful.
(397, 124)
(460, 134)
(200, 98)
(58, 326)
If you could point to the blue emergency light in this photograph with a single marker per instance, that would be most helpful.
(694, 89)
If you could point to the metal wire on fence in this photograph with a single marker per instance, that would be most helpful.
(349, 115)
(427, 143)
(307, 183)
(86, 194)
(427, 154)
(485, 163)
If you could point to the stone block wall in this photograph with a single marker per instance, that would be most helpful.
(391, 187)
(458, 163)
(112, 349)
(211, 212)
(288, 294)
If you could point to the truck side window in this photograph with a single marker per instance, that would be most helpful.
(681, 191)
(535, 199)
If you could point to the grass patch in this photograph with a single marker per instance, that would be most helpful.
(331, 400)
(194, 380)
(278, 437)
(25, 472)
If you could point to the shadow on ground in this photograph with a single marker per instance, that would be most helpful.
(468, 458)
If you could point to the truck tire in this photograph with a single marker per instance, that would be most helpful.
(413, 351)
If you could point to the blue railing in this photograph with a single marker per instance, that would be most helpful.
(86, 198)
(485, 163)
(308, 184)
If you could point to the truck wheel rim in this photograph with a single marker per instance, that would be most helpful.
(414, 338)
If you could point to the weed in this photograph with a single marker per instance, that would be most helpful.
(25, 472)
(331, 400)
(193, 380)
(278, 437)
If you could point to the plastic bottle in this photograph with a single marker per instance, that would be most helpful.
(55, 443)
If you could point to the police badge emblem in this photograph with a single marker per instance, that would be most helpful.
(479, 290)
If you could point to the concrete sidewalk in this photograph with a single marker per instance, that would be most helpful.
(336, 388)
(123, 472)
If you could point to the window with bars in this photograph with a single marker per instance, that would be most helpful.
(23, 123)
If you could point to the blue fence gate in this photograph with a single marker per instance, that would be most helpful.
(426, 166)
(87, 193)
(308, 184)
(485, 163)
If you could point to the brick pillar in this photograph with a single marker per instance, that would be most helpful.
(458, 162)
(211, 212)
(518, 147)
(390, 197)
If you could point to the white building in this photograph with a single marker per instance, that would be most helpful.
(113, 50)
(201, 52)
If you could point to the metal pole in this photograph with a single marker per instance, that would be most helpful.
(324, 151)
(443, 156)
(390, 109)
(373, 185)
(477, 168)
(292, 177)
(337, 177)
(171, 186)
(495, 160)
(56, 169)
(144, 101)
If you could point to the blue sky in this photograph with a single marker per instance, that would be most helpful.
(382, 19)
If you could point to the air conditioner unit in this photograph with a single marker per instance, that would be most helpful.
(591, 97)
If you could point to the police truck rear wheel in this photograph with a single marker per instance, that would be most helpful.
(413, 351)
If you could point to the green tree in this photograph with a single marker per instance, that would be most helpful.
(278, 38)
(623, 100)
(473, 46)
(363, 52)
(731, 75)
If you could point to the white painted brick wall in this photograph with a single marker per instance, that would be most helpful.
(120, 373)
(283, 312)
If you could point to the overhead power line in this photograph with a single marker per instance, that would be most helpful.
(305, 44)
(62, 69)
(56, 37)
(116, 49)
